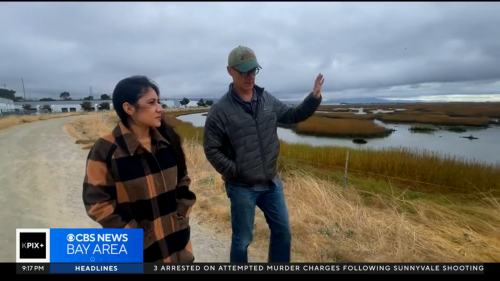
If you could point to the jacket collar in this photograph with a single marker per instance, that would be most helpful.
(258, 90)
(127, 140)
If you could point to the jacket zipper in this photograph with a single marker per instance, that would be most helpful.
(261, 148)
(254, 116)
(260, 139)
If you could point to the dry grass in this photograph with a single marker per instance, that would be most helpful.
(88, 130)
(491, 110)
(455, 109)
(346, 115)
(435, 119)
(453, 175)
(184, 129)
(14, 120)
(332, 223)
(334, 109)
(319, 126)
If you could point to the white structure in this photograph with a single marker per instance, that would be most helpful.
(168, 103)
(63, 108)
(96, 107)
(7, 107)
(6, 104)
(192, 104)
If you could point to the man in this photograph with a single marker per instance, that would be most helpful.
(241, 143)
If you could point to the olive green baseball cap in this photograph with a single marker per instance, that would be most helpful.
(243, 59)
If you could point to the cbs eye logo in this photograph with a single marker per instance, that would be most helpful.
(70, 237)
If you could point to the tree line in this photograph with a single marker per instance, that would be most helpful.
(86, 105)
(200, 103)
(11, 95)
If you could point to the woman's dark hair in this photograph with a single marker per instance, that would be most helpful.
(130, 90)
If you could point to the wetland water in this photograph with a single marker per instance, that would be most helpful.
(486, 148)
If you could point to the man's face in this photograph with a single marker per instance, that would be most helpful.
(243, 80)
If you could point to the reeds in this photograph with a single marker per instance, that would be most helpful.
(351, 128)
(449, 174)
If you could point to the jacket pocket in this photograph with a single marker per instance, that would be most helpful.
(149, 238)
(238, 170)
(183, 231)
(184, 207)
(231, 155)
(182, 222)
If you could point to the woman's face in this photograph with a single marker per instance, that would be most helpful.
(148, 111)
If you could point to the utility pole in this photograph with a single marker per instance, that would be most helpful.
(90, 91)
(24, 91)
(5, 86)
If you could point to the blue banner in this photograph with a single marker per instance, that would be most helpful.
(96, 245)
(96, 268)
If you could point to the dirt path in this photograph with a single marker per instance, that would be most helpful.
(41, 174)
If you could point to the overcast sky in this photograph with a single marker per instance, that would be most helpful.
(394, 50)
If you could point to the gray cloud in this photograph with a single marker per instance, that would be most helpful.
(363, 49)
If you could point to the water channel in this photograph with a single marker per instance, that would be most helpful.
(486, 148)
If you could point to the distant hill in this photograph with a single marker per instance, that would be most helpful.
(357, 101)
(365, 100)
(361, 100)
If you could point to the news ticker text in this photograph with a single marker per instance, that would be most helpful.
(251, 268)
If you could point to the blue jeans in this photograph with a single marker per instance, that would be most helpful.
(272, 203)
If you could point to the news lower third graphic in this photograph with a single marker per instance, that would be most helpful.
(105, 251)
(83, 250)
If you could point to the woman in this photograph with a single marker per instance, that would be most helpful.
(136, 177)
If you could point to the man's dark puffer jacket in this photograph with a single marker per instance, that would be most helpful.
(244, 149)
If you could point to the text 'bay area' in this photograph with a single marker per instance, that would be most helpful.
(109, 247)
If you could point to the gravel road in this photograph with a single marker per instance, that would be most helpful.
(41, 174)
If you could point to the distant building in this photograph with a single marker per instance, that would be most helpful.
(61, 102)
(8, 107)
(168, 103)
(65, 108)
(6, 104)
(73, 103)
(192, 104)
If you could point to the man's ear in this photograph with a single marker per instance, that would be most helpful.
(229, 71)
(128, 108)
